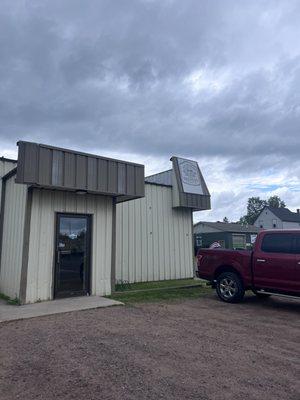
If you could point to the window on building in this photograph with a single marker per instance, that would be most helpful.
(297, 244)
(261, 223)
(198, 240)
(238, 241)
(277, 243)
(274, 222)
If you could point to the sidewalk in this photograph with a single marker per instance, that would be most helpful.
(12, 312)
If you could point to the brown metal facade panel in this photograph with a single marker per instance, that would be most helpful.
(140, 182)
(81, 172)
(92, 174)
(112, 177)
(63, 169)
(69, 170)
(121, 178)
(102, 175)
(28, 159)
(57, 168)
(194, 201)
(45, 167)
(130, 179)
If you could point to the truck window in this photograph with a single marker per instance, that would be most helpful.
(297, 244)
(277, 243)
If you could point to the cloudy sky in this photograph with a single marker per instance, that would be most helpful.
(217, 81)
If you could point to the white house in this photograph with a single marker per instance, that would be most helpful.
(278, 218)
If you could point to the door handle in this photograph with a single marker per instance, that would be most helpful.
(261, 260)
(299, 262)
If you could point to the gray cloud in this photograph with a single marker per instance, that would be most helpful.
(202, 79)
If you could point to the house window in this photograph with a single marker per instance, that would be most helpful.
(238, 241)
(261, 223)
(274, 222)
(198, 240)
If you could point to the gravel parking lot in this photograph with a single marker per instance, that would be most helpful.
(188, 349)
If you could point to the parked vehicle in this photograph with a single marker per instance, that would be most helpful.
(271, 268)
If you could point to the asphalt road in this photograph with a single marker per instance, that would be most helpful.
(189, 349)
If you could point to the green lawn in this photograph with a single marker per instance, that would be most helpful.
(157, 284)
(160, 291)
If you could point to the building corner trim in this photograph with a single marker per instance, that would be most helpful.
(25, 251)
(3, 197)
(2, 217)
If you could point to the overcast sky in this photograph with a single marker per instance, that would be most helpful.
(215, 81)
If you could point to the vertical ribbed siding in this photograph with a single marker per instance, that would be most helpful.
(12, 244)
(5, 167)
(154, 240)
(45, 204)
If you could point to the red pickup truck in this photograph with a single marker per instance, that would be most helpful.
(271, 268)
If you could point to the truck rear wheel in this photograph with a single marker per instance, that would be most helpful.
(230, 287)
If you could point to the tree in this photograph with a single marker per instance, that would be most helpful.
(276, 202)
(226, 220)
(255, 206)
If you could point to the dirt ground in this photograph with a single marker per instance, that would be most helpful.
(190, 349)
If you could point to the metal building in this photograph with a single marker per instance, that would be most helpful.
(58, 221)
(155, 233)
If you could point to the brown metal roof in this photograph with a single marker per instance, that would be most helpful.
(57, 168)
(162, 178)
(229, 227)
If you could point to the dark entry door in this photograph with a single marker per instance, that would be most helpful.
(72, 272)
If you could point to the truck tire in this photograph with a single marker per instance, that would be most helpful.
(230, 287)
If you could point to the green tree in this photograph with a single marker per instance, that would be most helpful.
(275, 201)
(255, 205)
(226, 220)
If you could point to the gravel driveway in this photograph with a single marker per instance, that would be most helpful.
(192, 349)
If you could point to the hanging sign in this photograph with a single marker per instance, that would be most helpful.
(190, 176)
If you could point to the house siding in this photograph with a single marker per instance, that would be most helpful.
(154, 240)
(266, 218)
(45, 205)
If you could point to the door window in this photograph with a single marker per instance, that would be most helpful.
(72, 267)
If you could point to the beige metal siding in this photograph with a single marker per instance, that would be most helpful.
(45, 204)
(154, 240)
(12, 245)
(5, 167)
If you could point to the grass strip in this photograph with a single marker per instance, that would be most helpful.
(165, 294)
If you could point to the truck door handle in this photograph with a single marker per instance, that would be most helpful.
(299, 262)
(260, 260)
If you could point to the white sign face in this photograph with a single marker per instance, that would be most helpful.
(253, 238)
(190, 176)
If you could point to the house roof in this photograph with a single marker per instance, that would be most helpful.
(285, 214)
(230, 227)
(8, 160)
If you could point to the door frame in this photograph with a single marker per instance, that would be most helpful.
(89, 220)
